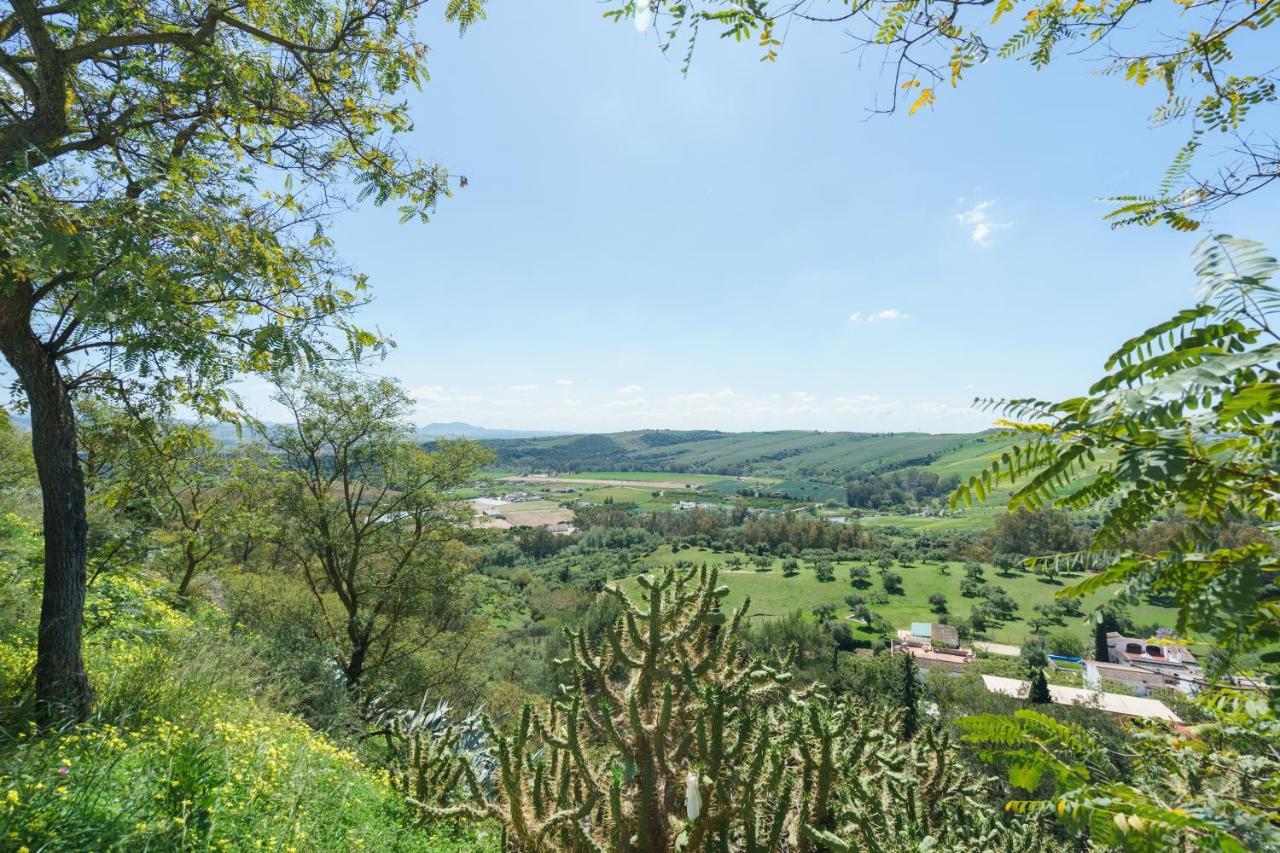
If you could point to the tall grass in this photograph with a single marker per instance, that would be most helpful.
(185, 750)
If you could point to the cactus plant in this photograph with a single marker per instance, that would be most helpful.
(670, 737)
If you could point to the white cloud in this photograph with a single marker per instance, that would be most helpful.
(629, 390)
(978, 220)
(887, 314)
(564, 381)
(523, 388)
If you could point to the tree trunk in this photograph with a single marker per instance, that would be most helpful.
(359, 651)
(189, 571)
(62, 686)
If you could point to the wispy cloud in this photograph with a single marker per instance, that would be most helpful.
(629, 390)
(888, 314)
(722, 394)
(523, 388)
(564, 381)
(978, 220)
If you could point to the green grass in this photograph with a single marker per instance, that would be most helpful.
(186, 749)
(642, 496)
(810, 491)
(972, 518)
(643, 476)
(773, 595)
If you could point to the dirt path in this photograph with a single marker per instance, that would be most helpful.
(997, 648)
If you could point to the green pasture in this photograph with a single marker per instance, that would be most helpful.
(643, 476)
(773, 595)
(978, 517)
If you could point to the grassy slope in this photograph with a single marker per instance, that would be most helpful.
(185, 751)
(773, 595)
(770, 454)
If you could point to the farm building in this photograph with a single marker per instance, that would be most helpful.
(1164, 656)
(1113, 703)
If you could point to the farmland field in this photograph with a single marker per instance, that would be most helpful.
(969, 518)
(773, 595)
(641, 476)
(660, 482)
(535, 516)
(776, 455)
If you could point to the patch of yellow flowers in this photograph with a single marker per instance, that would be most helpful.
(219, 774)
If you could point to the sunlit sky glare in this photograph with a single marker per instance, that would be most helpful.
(745, 247)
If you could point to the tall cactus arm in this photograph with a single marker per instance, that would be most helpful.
(566, 816)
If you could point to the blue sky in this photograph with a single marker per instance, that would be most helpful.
(744, 248)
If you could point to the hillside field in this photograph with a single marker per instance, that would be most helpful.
(773, 595)
(779, 455)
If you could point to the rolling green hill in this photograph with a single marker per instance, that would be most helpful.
(787, 454)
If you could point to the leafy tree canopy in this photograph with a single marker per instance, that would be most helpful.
(1183, 423)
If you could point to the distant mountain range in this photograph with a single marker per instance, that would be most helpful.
(455, 429)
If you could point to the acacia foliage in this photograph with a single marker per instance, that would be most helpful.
(1184, 422)
(1214, 786)
(1183, 425)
